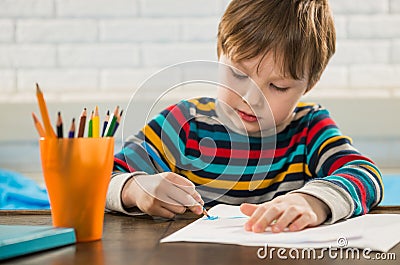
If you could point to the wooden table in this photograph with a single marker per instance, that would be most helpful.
(135, 240)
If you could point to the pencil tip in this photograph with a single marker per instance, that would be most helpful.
(38, 88)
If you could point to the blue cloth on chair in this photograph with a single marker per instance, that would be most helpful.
(20, 192)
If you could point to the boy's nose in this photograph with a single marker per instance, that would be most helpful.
(253, 96)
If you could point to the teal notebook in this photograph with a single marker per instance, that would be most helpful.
(16, 240)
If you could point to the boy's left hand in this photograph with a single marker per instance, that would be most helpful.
(295, 211)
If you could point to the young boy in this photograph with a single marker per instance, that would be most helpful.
(314, 175)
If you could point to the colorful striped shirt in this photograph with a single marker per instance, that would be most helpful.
(309, 155)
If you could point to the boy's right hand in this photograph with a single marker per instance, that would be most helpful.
(165, 194)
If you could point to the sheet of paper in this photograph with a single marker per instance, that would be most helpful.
(378, 232)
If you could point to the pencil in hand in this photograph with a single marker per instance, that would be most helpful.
(38, 125)
(45, 114)
(71, 133)
(82, 123)
(60, 133)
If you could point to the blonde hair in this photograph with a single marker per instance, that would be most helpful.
(300, 33)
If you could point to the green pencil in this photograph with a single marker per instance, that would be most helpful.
(90, 131)
(112, 123)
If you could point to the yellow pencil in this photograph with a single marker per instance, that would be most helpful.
(38, 125)
(45, 114)
(96, 123)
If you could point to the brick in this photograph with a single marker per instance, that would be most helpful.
(26, 8)
(394, 6)
(167, 54)
(124, 79)
(56, 30)
(395, 56)
(334, 77)
(136, 30)
(58, 80)
(341, 27)
(96, 8)
(6, 31)
(98, 55)
(147, 80)
(353, 52)
(374, 26)
(27, 55)
(375, 76)
(201, 29)
(359, 6)
(7, 80)
(182, 8)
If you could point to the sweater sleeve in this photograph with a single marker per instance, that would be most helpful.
(166, 135)
(347, 181)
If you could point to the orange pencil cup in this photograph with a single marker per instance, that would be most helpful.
(77, 173)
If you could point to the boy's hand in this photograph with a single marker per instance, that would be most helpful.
(295, 211)
(165, 194)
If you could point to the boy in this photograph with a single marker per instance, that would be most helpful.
(313, 176)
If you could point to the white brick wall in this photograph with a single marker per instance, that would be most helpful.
(7, 81)
(56, 30)
(6, 30)
(103, 45)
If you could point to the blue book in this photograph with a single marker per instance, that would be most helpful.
(16, 240)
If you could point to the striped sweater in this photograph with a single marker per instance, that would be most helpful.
(308, 155)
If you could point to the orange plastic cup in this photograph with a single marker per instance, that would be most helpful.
(77, 173)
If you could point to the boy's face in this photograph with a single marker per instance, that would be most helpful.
(255, 96)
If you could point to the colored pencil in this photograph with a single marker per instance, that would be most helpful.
(96, 123)
(90, 130)
(118, 121)
(59, 124)
(71, 133)
(111, 123)
(45, 114)
(162, 164)
(38, 125)
(105, 123)
(82, 123)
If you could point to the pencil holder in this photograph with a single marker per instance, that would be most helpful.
(77, 173)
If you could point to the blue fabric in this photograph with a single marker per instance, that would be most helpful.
(20, 192)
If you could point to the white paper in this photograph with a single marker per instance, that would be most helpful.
(379, 232)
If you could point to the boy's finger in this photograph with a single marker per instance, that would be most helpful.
(257, 214)
(176, 196)
(286, 218)
(266, 219)
(299, 224)
(197, 209)
(248, 208)
(179, 181)
(177, 209)
(162, 212)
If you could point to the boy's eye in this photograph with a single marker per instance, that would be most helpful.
(279, 89)
(238, 75)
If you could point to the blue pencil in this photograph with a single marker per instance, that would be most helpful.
(164, 166)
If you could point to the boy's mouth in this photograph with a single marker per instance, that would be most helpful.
(247, 117)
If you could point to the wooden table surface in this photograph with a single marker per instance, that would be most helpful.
(135, 240)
